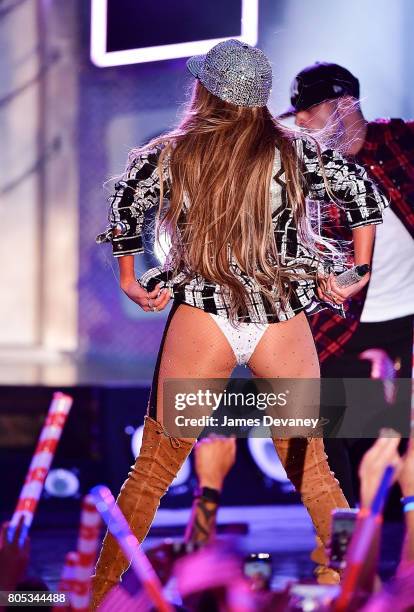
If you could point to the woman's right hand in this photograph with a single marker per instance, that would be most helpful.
(150, 301)
(329, 291)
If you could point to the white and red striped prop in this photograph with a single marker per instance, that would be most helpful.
(87, 548)
(67, 579)
(40, 464)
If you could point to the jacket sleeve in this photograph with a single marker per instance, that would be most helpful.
(137, 191)
(356, 193)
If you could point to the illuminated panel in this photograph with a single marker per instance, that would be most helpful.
(184, 472)
(101, 57)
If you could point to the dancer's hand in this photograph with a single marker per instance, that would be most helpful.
(214, 457)
(150, 301)
(329, 291)
(381, 454)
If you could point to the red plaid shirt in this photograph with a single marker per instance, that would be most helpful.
(388, 157)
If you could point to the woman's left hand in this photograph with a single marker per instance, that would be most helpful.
(329, 291)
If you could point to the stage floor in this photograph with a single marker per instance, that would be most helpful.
(284, 531)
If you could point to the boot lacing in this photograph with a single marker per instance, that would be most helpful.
(175, 442)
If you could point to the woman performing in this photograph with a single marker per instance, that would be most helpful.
(242, 268)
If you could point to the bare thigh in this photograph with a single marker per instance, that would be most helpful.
(194, 348)
(287, 351)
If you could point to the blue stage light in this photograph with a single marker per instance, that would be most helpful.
(266, 459)
(62, 483)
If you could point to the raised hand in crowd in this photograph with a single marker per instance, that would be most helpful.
(382, 453)
(406, 481)
(398, 595)
(13, 558)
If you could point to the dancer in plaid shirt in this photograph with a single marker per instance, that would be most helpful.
(326, 96)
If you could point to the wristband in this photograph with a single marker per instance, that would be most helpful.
(212, 495)
(408, 503)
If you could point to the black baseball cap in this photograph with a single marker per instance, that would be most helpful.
(319, 82)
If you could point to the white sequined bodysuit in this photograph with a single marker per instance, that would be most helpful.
(243, 339)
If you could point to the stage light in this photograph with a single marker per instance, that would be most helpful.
(136, 441)
(61, 483)
(265, 457)
(101, 57)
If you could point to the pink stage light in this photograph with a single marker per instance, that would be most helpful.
(100, 57)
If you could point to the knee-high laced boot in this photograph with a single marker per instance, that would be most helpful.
(160, 458)
(306, 465)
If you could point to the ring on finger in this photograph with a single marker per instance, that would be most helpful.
(154, 309)
(149, 303)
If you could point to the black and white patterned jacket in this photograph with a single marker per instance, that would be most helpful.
(139, 189)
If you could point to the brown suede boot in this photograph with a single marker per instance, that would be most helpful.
(159, 460)
(306, 465)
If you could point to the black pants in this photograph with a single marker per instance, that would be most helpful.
(152, 401)
(395, 337)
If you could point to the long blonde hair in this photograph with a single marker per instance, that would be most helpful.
(220, 160)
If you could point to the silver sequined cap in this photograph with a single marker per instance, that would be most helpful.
(234, 72)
